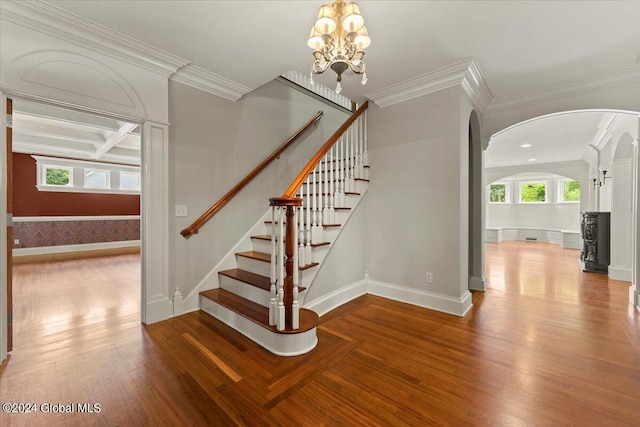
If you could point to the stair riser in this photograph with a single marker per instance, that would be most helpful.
(280, 344)
(328, 234)
(260, 245)
(254, 266)
(257, 295)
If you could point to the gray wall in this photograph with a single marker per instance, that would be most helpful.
(213, 144)
(414, 200)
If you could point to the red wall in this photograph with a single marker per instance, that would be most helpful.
(28, 201)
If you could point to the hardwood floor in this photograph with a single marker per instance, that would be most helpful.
(545, 345)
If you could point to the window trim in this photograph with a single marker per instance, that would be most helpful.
(507, 192)
(87, 171)
(560, 190)
(546, 192)
(78, 173)
(138, 174)
(42, 176)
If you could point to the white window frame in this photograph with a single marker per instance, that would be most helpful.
(42, 176)
(507, 193)
(546, 192)
(561, 191)
(130, 173)
(87, 171)
(78, 170)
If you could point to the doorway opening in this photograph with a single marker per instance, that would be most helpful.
(76, 243)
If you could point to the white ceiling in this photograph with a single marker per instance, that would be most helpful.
(557, 138)
(518, 46)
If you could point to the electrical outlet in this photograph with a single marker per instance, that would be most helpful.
(429, 277)
(16, 242)
(181, 210)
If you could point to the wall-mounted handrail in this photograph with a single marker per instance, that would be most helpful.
(215, 208)
(297, 182)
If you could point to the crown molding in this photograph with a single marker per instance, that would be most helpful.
(465, 73)
(605, 130)
(199, 78)
(52, 21)
(55, 22)
(601, 80)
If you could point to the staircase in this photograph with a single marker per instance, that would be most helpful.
(263, 297)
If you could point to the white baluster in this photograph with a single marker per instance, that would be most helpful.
(295, 308)
(332, 192)
(300, 233)
(307, 247)
(316, 228)
(280, 259)
(366, 150)
(340, 200)
(349, 172)
(321, 218)
(314, 202)
(361, 147)
(326, 213)
(273, 300)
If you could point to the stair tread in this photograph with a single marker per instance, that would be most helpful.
(324, 225)
(257, 313)
(305, 267)
(268, 237)
(260, 256)
(257, 280)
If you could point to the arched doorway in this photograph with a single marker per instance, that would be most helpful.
(477, 281)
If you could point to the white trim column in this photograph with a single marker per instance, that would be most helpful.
(3, 228)
(156, 300)
(634, 292)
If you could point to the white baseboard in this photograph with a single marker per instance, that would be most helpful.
(158, 310)
(478, 283)
(619, 273)
(335, 299)
(421, 298)
(17, 252)
(430, 300)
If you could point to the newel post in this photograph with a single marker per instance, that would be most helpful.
(289, 203)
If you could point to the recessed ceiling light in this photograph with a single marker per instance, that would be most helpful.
(525, 145)
(531, 160)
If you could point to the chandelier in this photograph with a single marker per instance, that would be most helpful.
(338, 39)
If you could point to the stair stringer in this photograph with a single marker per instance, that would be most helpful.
(211, 280)
(308, 276)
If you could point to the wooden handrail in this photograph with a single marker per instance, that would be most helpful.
(299, 180)
(215, 208)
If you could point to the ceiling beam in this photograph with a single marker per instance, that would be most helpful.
(113, 139)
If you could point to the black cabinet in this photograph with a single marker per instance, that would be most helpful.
(596, 236)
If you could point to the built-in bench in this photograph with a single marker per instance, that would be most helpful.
(567, 238)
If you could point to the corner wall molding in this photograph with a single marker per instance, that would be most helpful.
(572, 87)
(55, 22)
(206, 81)
(464, 73)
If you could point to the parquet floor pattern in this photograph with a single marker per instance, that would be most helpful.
(546, 345)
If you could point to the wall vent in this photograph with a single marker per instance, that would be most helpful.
(531, 239)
